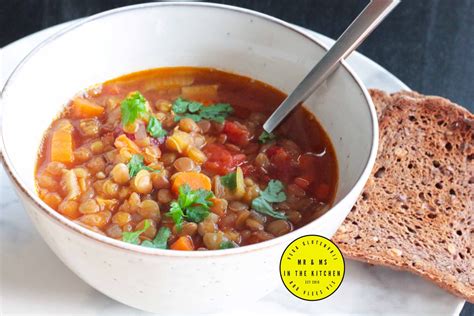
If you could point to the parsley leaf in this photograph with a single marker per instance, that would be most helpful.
(154, 128)
(229, 180)
(161, 239)
(266, 137)
(133, 237)
(274, 192)
(260, 205)
(192, 205)
(132, 107)
(136, 164)
(197, 111)
(227, 244)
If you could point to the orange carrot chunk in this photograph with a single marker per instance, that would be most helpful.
(183, 243)
(124, 142)
(83, 108)
(61, 143)
(195, 180)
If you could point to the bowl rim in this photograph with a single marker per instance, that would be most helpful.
(137, 249)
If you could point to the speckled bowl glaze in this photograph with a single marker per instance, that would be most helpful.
(178, 34)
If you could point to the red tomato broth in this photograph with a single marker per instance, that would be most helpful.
(302, 155)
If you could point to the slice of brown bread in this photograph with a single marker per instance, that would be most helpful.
(382, 99)
(416, 211)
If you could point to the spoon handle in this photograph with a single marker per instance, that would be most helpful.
(352, 37)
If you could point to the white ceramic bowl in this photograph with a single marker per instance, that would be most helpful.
(176, 34)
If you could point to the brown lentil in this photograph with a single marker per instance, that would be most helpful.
(164, 196)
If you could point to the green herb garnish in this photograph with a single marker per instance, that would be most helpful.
(154, 128)
(133, 237)
(260, 205)
(197, 213)
(192, 205)
(266, 137)
(133, 107)
(273, 193)
(161, 239)
(176, 213)
(181, 106)
(216, 112)
(197, 111)
(227, 244)
(229, 180)
(136, 164)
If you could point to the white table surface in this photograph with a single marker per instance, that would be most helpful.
(34, 281)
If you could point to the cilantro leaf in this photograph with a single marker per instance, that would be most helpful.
(180, 106)
(133, 237)
(188, 197)
(197, 213)
(227, 244)
(266, 137)
(202, 197)
(132, 107)
(193, 107)
(161, 239)
(177, 215)
(154, 128)
(260, 205)
(274, 192)
(229, 180)
(136, 164)
(197, 111)
(191, 205)
(217, 112)
(184, 200)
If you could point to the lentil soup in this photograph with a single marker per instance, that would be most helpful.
(177, 158)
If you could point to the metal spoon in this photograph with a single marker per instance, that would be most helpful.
(353, 36)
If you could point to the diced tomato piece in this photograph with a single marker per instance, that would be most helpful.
(215, 168)
(219, 159)
(237, 133)
(273, 150)
(248, 170)
(281, 162)
(218, 153)
(238, 159)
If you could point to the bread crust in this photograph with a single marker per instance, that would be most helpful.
(416, 211)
